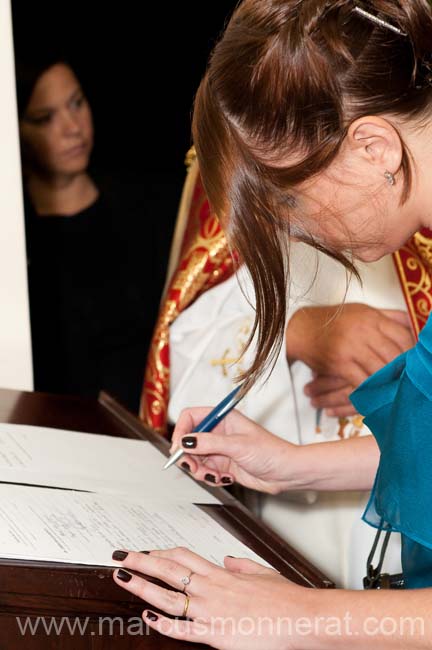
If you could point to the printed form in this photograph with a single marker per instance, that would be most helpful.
(92, 462)
(75, 497)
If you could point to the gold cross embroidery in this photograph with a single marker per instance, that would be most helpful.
(224, 362)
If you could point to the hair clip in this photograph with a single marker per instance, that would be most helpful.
(379, 21)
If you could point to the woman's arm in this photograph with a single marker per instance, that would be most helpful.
(338, 465)
(361, 620)
(241, 451)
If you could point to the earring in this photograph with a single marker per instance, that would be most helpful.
(389, 178)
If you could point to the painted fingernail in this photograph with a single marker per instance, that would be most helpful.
(186, 466)
(119, 555)
(190, 442)
(145, 552)
(210, 478)
(226, 480)
(124, 576)
(152, 616)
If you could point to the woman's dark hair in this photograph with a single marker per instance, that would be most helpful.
(283, 85)
(29, 70)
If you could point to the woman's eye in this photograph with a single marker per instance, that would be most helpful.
(40, 120)
(78, 102)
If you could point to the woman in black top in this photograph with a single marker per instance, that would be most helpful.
(91, 302)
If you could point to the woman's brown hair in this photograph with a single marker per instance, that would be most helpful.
(282, 87)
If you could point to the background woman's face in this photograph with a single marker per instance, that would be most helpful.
(57, 127)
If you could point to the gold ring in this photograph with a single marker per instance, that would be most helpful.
(186, 606)
(186, 581)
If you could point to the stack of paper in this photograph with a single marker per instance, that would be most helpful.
(85, 461)
(111, 493)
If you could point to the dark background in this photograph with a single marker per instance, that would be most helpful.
(140, 64)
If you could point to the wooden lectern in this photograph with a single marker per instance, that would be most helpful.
(84, 607)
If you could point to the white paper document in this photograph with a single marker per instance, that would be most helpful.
(83, 528)
(96, 463)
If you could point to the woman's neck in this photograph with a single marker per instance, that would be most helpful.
(63, 196)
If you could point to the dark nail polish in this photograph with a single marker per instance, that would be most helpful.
(226, 480)
(124, 576)
(210, 478)
(231, 556)
(186, 466)
(190, 442)
(119, 555)
(152, 616)
(145, 552)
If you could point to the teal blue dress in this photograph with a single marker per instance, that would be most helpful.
(397, 405)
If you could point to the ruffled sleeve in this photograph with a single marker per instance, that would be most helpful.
(397, 405)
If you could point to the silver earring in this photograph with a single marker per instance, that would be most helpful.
(390, 178)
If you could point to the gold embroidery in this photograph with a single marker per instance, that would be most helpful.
(413, 263)
(343, 422)
(424, 247)
(357, 426)
(205, 260)
(224, 362)
(190, 158)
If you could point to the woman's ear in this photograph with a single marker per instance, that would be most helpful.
(377, 142)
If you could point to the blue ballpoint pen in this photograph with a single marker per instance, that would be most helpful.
(211, 420)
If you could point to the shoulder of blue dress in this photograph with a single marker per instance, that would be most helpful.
(380, 388)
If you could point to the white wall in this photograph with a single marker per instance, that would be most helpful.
(15, 342)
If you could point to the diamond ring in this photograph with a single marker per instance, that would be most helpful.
(186, 580)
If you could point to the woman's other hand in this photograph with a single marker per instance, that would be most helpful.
(242, 606)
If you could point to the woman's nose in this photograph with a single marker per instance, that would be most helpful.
(70, 123)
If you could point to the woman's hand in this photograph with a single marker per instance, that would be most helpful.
(245, 606)
(219, 602)
(237, 450)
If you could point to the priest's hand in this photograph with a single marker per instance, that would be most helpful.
(331, 394)
(343, 345)
(237, 450)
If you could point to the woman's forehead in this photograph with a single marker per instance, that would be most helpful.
(55, 85)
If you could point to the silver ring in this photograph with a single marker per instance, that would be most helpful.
(186, 580)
